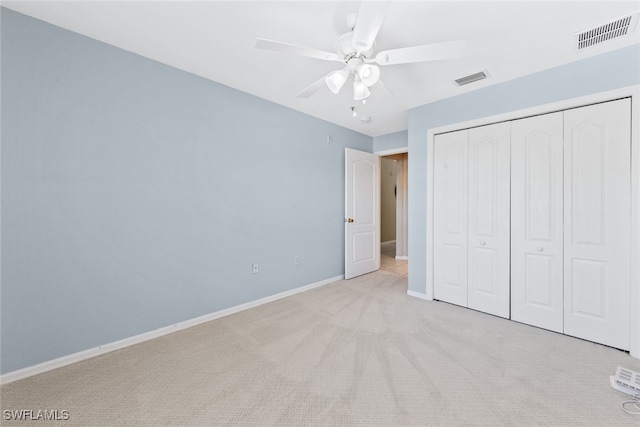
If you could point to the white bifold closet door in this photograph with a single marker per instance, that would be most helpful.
(536, 221)
(597, 217)
(488, 226)
(450, 217)
(471, 218)
(532, 220)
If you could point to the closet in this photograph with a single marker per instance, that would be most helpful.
(532, 220)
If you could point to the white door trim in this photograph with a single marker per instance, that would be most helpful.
(629, 91)
(392, 152)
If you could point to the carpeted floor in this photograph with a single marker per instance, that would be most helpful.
(352, 353)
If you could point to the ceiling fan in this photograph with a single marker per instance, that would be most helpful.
(357, 50)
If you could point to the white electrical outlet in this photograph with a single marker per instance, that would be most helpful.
(296, 259)
(255, 267)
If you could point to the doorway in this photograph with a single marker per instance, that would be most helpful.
(393, 211)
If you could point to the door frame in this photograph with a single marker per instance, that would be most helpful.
(630, 91)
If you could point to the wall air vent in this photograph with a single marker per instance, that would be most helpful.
(471, 78)
(611, 30)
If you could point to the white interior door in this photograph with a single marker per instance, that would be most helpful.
(488, 219)
(597, 222)
(362, 212)
(536, 221)
(450, 217)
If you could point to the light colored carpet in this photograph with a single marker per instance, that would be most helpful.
(353, 353)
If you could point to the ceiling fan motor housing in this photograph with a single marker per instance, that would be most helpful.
(345, 49)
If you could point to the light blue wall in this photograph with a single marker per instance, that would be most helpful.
(391, 141)
(135, 195)
(609, 71)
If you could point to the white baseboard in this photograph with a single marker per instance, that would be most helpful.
(29, 371)
(403, 258)
(417, 295)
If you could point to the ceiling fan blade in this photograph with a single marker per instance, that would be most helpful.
(427, 52)
(370, 18)
(314, 87)
(296, 50)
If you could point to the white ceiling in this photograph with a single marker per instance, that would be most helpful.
(215, 40)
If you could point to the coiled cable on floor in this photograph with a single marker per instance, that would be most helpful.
(634, 404)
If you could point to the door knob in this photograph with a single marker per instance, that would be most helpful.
(483, 243)
(540, 249)
(348, 220)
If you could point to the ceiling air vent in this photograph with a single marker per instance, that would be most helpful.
(471, 78)
(611, 30)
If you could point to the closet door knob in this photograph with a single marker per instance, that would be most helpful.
(483, 243)
(540, 249)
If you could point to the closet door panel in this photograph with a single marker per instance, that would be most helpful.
(597, 222)
(489, 200)
(536, 221)
(450, 217)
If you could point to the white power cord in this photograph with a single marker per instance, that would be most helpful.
(635, 404)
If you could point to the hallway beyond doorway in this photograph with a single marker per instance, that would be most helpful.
(388, 261)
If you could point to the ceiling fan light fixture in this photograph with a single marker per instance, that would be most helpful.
(360, 90)
(356, 49)
(336, 80)
(369, 74)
